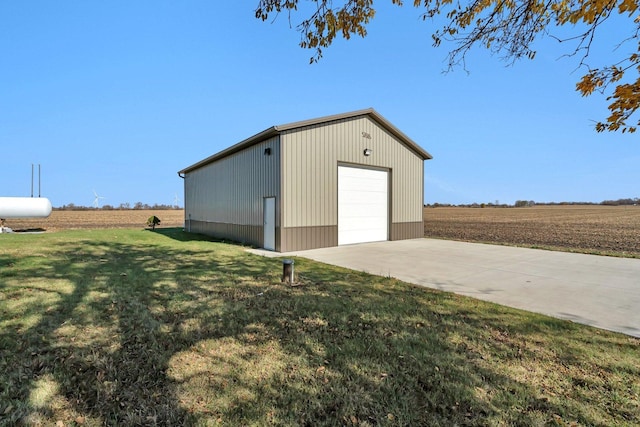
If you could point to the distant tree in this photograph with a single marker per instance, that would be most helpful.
(125, 205)
(107, 207)
(620, 202)
(158, 206)
(138, 206)
(510, 28)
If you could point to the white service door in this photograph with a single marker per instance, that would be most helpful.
(269, 215)
(363, 205)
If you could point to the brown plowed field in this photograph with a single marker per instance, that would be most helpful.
(609, 230)
(612, 230)
(65, 220)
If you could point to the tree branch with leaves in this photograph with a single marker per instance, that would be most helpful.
(505, 27)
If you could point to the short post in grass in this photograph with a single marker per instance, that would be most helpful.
(287, 271)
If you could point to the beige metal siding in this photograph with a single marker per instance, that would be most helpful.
(407, 230)
(310, 158)
(301, 238)
(231, 191)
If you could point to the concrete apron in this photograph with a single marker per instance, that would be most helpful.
(593, 290)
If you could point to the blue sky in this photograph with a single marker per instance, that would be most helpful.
(118, 96)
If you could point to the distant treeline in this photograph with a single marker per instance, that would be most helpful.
(529, 203)
(120, 207)
(621, 202)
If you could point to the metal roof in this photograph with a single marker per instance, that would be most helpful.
(277, 130)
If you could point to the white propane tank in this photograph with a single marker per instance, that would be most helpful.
(24, 207)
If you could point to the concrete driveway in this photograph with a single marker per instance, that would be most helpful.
(590, 289)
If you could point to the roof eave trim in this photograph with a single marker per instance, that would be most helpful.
(265, 134)
(277, 130)
(366, 112)
(401, 135)
(325, 119)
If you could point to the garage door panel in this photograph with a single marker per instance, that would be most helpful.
(356, 236)
(363, 183)
(373, 229)
(362, 205)
(363, 223)
(363, 213)
(358, 205)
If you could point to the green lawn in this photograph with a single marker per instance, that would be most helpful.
(132, 327)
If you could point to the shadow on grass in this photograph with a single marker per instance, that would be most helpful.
(145, 331)
(30, 230)
(178, 233)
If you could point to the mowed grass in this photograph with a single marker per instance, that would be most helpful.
(132, 327)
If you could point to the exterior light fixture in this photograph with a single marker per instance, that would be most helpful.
(368, 151)
(267, 151)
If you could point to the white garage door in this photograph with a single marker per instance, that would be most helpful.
(362, 205)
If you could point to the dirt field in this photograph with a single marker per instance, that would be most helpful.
(65, 220)
(609, 230)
